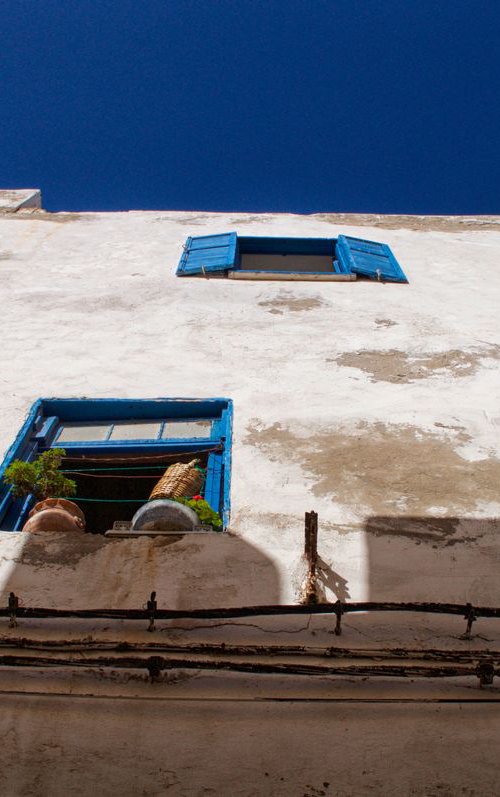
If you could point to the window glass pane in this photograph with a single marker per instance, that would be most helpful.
(309, 263)
(135, 430)
(77, 432)
(186, 429)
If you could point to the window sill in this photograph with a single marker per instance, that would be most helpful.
(298, 276)
(126, 534)
(123, 529)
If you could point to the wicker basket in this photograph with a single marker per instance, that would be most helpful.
(181, 480)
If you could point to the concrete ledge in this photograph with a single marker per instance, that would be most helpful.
(125, 533)
(12, 200)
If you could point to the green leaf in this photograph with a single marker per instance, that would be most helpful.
(41, 477)
(207, 516)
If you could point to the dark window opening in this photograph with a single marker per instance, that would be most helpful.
(134, 441)
(299, 255)
(284, 262)
(112, 489)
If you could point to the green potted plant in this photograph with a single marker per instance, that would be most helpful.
(43, 479)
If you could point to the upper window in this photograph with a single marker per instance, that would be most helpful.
(325, 259)
(117, 449)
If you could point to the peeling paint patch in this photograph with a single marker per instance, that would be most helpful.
(386, 470)
(287, 301)
(418, 223)
(189, 220)
(42, 550)
(58, 218)
(238, 221)
(384, 323)
(400, 367)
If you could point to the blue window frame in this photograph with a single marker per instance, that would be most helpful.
(324, 259)
(119, 438)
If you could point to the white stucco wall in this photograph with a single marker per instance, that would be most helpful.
(358, 400)
(376, 405)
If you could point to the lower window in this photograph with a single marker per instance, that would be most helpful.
(117, 449)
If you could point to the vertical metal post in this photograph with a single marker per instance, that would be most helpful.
(151, 608)
(307, 535)
(13, 607)
(311, 555)
(314, 543)
(338, 612)
(471, 617)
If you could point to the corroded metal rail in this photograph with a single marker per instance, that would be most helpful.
(484, 670)
(86, 645)
(170, 663)
(23, 652)
(16, 610)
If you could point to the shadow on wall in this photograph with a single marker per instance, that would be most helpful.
(415, 558)
(328, 579)
(76, 570)
(444, 559)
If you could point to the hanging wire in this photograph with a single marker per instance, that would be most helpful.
(85, 474)
(97, 473)
(97, 470)
(110, 500)
(143, 458)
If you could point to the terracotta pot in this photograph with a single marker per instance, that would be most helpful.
(55, 514)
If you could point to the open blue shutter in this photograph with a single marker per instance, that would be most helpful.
(369, 258)
(208, 253)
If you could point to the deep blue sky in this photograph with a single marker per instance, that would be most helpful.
(253, 105)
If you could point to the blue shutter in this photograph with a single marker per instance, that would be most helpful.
(369, 258)
(208, 253)
(340, 268)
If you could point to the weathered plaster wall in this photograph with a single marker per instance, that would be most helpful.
(376, 405)
(236, 750)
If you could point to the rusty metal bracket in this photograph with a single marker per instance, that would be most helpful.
(471, 617)
(153, 666)
(337, 608)
(13, 607)
(151, 609)
(485, 671)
